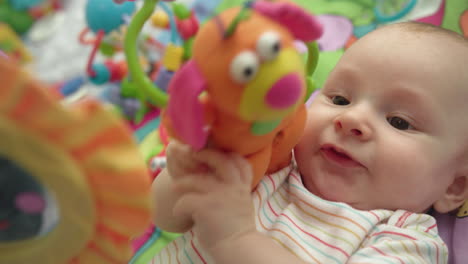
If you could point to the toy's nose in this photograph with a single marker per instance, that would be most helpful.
(285, 92)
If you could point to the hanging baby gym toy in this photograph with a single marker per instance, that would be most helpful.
(103, 18)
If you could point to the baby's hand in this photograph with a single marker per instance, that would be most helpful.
(180, 160)
(218, 200)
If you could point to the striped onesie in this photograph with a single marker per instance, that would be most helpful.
(320, 231)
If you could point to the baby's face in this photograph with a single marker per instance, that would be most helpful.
(386, 129)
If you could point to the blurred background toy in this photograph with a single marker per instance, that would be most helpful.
(106, 20)
(161, 58)
(20, 15)
(73, 185)
(173, 56)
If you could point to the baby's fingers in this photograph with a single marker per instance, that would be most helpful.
(176, 151)
(196, 184)
(179, 158)
(244, 167)
(221, 164)
(188, 205)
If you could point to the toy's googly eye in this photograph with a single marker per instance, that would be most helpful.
(244, 67)
(269, 45)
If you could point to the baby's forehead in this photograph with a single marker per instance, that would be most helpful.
(426, 56)
(442, 48)
(424, 34)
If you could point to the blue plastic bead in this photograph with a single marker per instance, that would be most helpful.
(107, 15)
(71, 86)
(204, 9)
(102, 74)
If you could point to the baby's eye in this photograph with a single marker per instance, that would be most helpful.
(399, 123)
(340, 100)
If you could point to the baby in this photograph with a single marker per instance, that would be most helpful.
(386, 140)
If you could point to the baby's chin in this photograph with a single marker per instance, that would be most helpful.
(354, 196)
(339, 195)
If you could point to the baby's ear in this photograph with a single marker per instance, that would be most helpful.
(455, 195)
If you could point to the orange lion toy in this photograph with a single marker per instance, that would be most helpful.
(245, 86)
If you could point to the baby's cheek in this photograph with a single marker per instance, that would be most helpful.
(303, 156)
(409, 168)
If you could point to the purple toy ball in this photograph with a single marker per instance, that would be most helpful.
(114, 95)
(130, 106)
(163, 79)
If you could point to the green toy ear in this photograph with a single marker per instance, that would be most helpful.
(311, 65)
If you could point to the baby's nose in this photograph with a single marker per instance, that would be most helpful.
(285, 92)
(354, 131)
(351, 125)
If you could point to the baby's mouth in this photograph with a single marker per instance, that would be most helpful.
(341, 154)
(338, 156)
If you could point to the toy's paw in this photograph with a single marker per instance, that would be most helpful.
(302, 25)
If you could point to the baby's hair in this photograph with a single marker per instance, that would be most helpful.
(419, 27)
